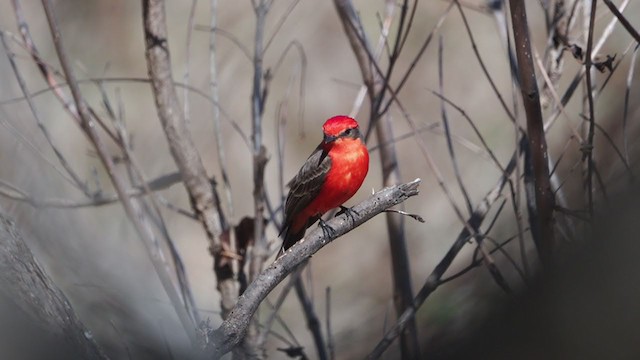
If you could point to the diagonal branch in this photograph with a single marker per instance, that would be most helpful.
(435, 278)
(24, 282)
(232, 330)
(623, 20)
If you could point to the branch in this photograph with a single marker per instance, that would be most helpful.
(181, 144)
(204, 199)
(75, 178)
(132, 209)
(623, 20)
(435, 278)
(312, 319)
(375, 83)
(232, 330)
(213, 87)
(26, 284)
(587, 148)
(535, 131)
(101, 199)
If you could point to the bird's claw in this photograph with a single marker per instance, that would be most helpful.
(327, 231)
(349, 212)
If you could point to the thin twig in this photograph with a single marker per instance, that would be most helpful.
(330, 345)
(581, 72)
(131, 208)
(312, 320)
(382, 41)
(625, 112)
(22, 138)
(478, 262)
(74, 177)
(447, 131)
(419, 55)
(268, 324)
(376, 84)
(475, 129)
(101, 199)
(433, 280)
(217, 132)
(139, 177)
(225, 34)
(50, 75)
(280, 22)
(194, 90)
(481, 62)
(187, 61)
(623, 20)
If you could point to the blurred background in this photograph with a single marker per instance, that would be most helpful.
(94, 255)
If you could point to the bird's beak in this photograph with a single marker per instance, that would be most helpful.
(329, 138)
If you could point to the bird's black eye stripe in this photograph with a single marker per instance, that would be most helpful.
(350, 132)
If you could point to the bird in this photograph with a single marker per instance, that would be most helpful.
(331, 175)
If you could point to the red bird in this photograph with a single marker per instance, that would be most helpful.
(331, 175)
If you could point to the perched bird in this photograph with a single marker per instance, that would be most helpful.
(331, 175)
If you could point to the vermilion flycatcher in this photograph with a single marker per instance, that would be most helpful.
(331, 175)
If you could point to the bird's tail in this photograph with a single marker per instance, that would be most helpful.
(288, 239)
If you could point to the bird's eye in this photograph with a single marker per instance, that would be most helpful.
(348, 132)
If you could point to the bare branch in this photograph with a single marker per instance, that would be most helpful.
(232, 330)
(434, 279)
(376, 84)
(281, 22)
(187, 62)
(623, 20)
(204, 198)
(312, 319)
(330, 344)
(259, 152)
(535, 130)
(26, 283)
(626, 103)
(587, 147)
(182, 148)
(260, 251)
(131, 208)
(50, 75)
(213, 87)
(482, 65)
(76, 180)
(447, 131)
(230, 37)
(101, 199)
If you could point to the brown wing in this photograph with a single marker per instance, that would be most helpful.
(305, 186)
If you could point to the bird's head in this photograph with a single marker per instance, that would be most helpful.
(340, 127)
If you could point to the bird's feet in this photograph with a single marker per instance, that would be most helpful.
(327, 231)
(349, 212)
